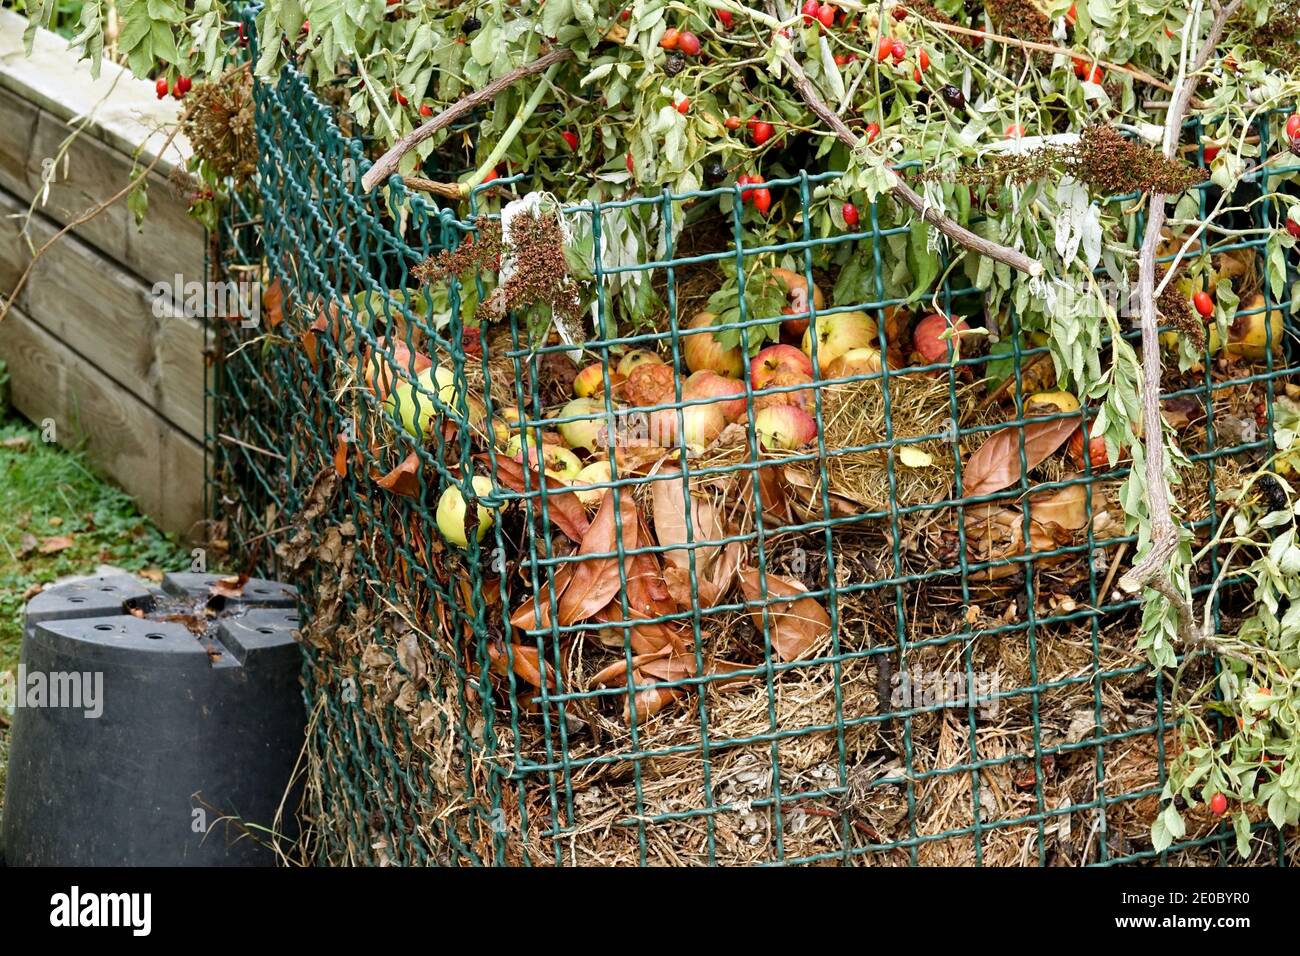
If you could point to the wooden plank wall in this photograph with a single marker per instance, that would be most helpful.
(85, 343)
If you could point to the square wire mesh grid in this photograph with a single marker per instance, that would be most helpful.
(976, 698)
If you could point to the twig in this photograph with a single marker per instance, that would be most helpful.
(386, 165)
(901, 191)
(1152, 570)
(88, 215)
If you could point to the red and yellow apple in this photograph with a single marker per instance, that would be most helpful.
(591, 380)
(729, 393)
(863, 361)
(803, 397)
(774, 359)
(597, 472)
(838, 333)
(635, 358)
(931, 337)
(704, 353)
(797, 296)
(701, 424)
(784, 427)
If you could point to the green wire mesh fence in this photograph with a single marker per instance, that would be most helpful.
(917, 672)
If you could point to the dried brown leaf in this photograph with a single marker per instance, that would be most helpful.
(996, 463)
(798, 623)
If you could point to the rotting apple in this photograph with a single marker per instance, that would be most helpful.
(840, 332)
(558, 461)
(784, 427)
(1253, 328)
(628, 363)
(803, 397)
(797, 297)
(932, 335)
(1097, 456)
(588, 428)
(591, 380)
(701, 424)
(774, 359)
(416, 410)
(703, 351)
(1051, 403)
(597, 472)
(651, 383)
(863, 361)
(729, 393)
(451, 512)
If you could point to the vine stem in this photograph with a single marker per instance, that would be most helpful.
(511, 132)
(1153, 570)
(386, 165)
(900, 190)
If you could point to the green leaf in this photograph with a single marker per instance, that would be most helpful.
(921, 261)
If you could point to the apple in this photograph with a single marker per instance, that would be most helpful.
(416, 409)
(380, 373)
(1249, 335)
(784, 427)
(591, 380)
(797, 295)
(863, 361)
(1097, 457)
(784, 379)
(649, 384)
(728, 392)
(930, 338)
(588, 431)
(635, 358)
(838, 333)
(558, 461)
(451, 512)
(595, 473)
(777, 358)
(1053, 403)
(703, 351)
(701, 424)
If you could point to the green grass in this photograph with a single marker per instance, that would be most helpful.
(48, 492)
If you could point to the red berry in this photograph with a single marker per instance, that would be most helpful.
(732, 123)
(899, 13)
(243, 40)
(886, 48)
(630, 168)
(492, 174)
(916, 75)
(184, 83)
(898, 50)
(810, 10)
(683, 106)
(1293, 127)
(1293, 227)
(1211, 150)
(399, 96)
(160, 87)
(1218, 804)
(1204, 304)
(625, 15)
(762, 200)
(1015, 131)
(724, 17)
(826, 14)
(873, 130)
(670, 39)
(1072, 15)
(762, 132)
(176, 89)
(850, 214)
(571, 138)
(426, 109)
(688, 43)
(841, 59)
(923, 59)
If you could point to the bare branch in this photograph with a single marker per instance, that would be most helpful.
(1152, 571)
(901, 191)
(387, 164)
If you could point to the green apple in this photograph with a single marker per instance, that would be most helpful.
(416, 409)
(451, 512)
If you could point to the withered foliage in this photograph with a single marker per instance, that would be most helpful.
(935, 15)
(1106, 161)
(540, 273)
(1111, 165)
(1024, 21)
(220, 126)
(477, 253)
(1175, 309)
(1277, 42)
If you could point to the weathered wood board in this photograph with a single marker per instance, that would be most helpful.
(161, 467)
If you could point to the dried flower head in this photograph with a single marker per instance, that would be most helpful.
(1112, 165)
(220, 126)
(478, 252)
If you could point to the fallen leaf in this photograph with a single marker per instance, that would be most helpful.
(798, 623)
(341, 456)
(913, 457)
(56, 543)
(273, 303)
(563, 508)
(596, 580)
(523, 660)
(228, 587)
(996, 463)
(533, 615)
(402, 480)
(17, 443)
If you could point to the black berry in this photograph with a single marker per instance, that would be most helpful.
(953, 97)
(470, 24)
(675, 64)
